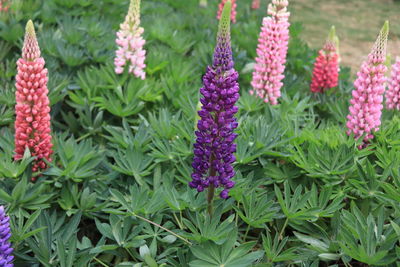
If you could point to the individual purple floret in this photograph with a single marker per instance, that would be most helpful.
(5, 246)
(214, 147)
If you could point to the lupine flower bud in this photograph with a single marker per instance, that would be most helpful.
(393, 92)
(4, 6)
(5, 247)
(233, 10)
(214, 147)
(32, 125)
(366, 104)
(255, 4)
(130, 43)
(326, 67)
(271, 53)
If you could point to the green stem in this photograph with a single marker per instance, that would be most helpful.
(177, 221)
(247, 231)
(283, 229)
(210, 199)
(237, 216)
(162, 227)
(101, 263)
(83, 137)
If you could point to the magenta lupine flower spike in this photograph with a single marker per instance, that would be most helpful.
(214, 147)
(130, 43)
(393, 92)
(32, 125)
(233, 10)
(326, 67)
(5, 247)
(271, 53)
(255, 4)
(366, 104)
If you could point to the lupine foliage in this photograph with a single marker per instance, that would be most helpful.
(116, 192)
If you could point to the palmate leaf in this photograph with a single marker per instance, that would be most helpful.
(77, 160)
(330, 164)
(212, 255)
(368, 183)
(258, 138)
(26, 196)
(257, 209)
(322, 201)
(294, 204)
(274, 249)
(133, 163)
(115, 106)
(138, 200)
(204, 228)
(366, 239)
(139, 137)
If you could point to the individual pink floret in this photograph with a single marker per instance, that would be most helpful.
(130, 44)
(32, 125)
(233, 10)
(393, 92)
(366, 104)
(271, 53)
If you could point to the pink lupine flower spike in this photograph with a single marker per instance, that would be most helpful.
(366, 105)
(393, 92)
(130, 43)
(271, 53)
(32, 125)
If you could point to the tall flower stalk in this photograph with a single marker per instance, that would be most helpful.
(32, 125)
(214, 147)
(393, 92)
(366, 105)
(271, 53)
(130, 44)
(5, 246)
(326, 67)
(233, 9)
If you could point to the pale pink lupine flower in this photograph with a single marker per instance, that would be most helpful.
(393, 92)
(366, 105)
(130, 43)
(271, 53)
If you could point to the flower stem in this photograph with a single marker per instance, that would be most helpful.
(162, 227)
(210, 199)
(283, 229)
(100, 262)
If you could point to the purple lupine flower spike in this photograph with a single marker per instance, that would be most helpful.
(214, 147)
(5, 247)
